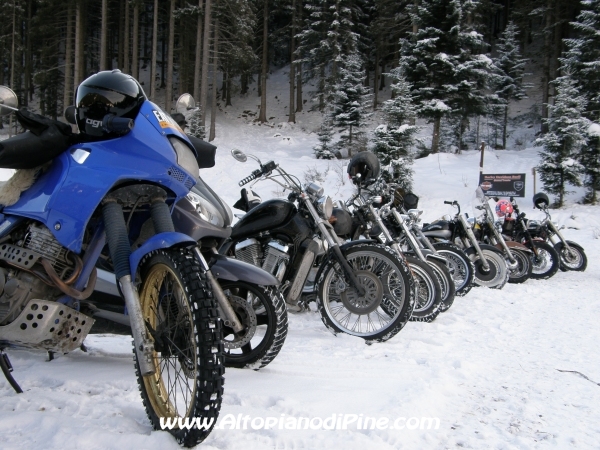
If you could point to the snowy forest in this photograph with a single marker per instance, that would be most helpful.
(446, 63)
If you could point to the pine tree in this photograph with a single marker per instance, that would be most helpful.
(195, 127)
(350, 99)
(508, 83)
(392, 141)
(566, 136)
(445, 63)
(324, 150)
(582, 60)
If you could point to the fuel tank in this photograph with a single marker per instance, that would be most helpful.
(267, 216)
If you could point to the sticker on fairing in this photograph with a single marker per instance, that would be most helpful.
(165, 121)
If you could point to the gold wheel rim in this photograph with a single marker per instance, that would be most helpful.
(157, 299)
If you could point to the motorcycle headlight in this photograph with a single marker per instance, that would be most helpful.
(185, 156)
(205, 209)
(325, 205)
(471, 221)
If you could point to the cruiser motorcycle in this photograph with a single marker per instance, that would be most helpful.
(518, 256)
(84, 195)
(362, 289)
(490, 266)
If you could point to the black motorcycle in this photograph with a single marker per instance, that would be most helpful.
(361, 288)
(490, 267)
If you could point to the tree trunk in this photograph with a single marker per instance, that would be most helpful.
(28, 84)
(154, 52)
(292, 108)
(126, 67)
(298, 68)
(382, 78)
(262, 116)
(228, 87)
(103, 32)
(435, 141)
(135, 68)
(79, 41)
(376, 77)
(504, 127)
(169, 87)
(213, 107)
(198, 55)
(67, 95)
(546, 66)
(205, 55)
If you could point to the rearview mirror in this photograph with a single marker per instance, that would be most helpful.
(8, 101)
(70, 115)
(239, 155)
(185, 102)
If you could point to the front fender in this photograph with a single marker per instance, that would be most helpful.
(225, 268)
(161, 240)
(561, 244)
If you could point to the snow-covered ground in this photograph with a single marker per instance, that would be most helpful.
(494, 369)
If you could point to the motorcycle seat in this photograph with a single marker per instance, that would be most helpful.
(43, 141)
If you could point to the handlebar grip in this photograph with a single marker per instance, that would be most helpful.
(118, 125)
(446, 202)
(253, 176)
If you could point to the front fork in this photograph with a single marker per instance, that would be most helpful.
(474, 242)
(500, 239)
(560, 236)
(120, 251)
(333, 245)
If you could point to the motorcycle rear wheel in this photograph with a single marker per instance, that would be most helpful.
(181, 315)
(388, 301)
(265, 326)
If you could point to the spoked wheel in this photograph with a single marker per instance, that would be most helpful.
(545, 262)
(523, 269)
(384, 307)
(573, 258)
(442, 273)
(460, 266)
(181, 316)
(428, 292)
(496, 275)
(263, 314)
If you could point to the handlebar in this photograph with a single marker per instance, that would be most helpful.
(253, 176)
(264, 170)
(453, 203)
(118, 125)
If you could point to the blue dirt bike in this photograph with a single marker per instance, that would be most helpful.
(100, 189)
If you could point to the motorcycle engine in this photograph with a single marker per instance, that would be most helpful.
(18, 286)
(274, 258)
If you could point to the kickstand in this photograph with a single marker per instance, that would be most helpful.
(50, 355)
(7, 368)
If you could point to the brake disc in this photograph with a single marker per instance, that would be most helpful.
(367, 303)
(245, 313)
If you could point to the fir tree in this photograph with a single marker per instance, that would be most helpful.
(566, 136)
(590, 160)
(508, 83)
(324, 150)
(350, 98)
(392, 141)
(444, 62)
(195, 127)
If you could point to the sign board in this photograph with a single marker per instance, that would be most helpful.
(502, 184)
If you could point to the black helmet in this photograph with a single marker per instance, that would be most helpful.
(540, 200)
(343, 223)
(107, 92)
(367, 165)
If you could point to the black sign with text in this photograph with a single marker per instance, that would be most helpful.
(502, 184)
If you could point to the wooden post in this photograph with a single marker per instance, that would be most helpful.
(534, 180)
(482, 150)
